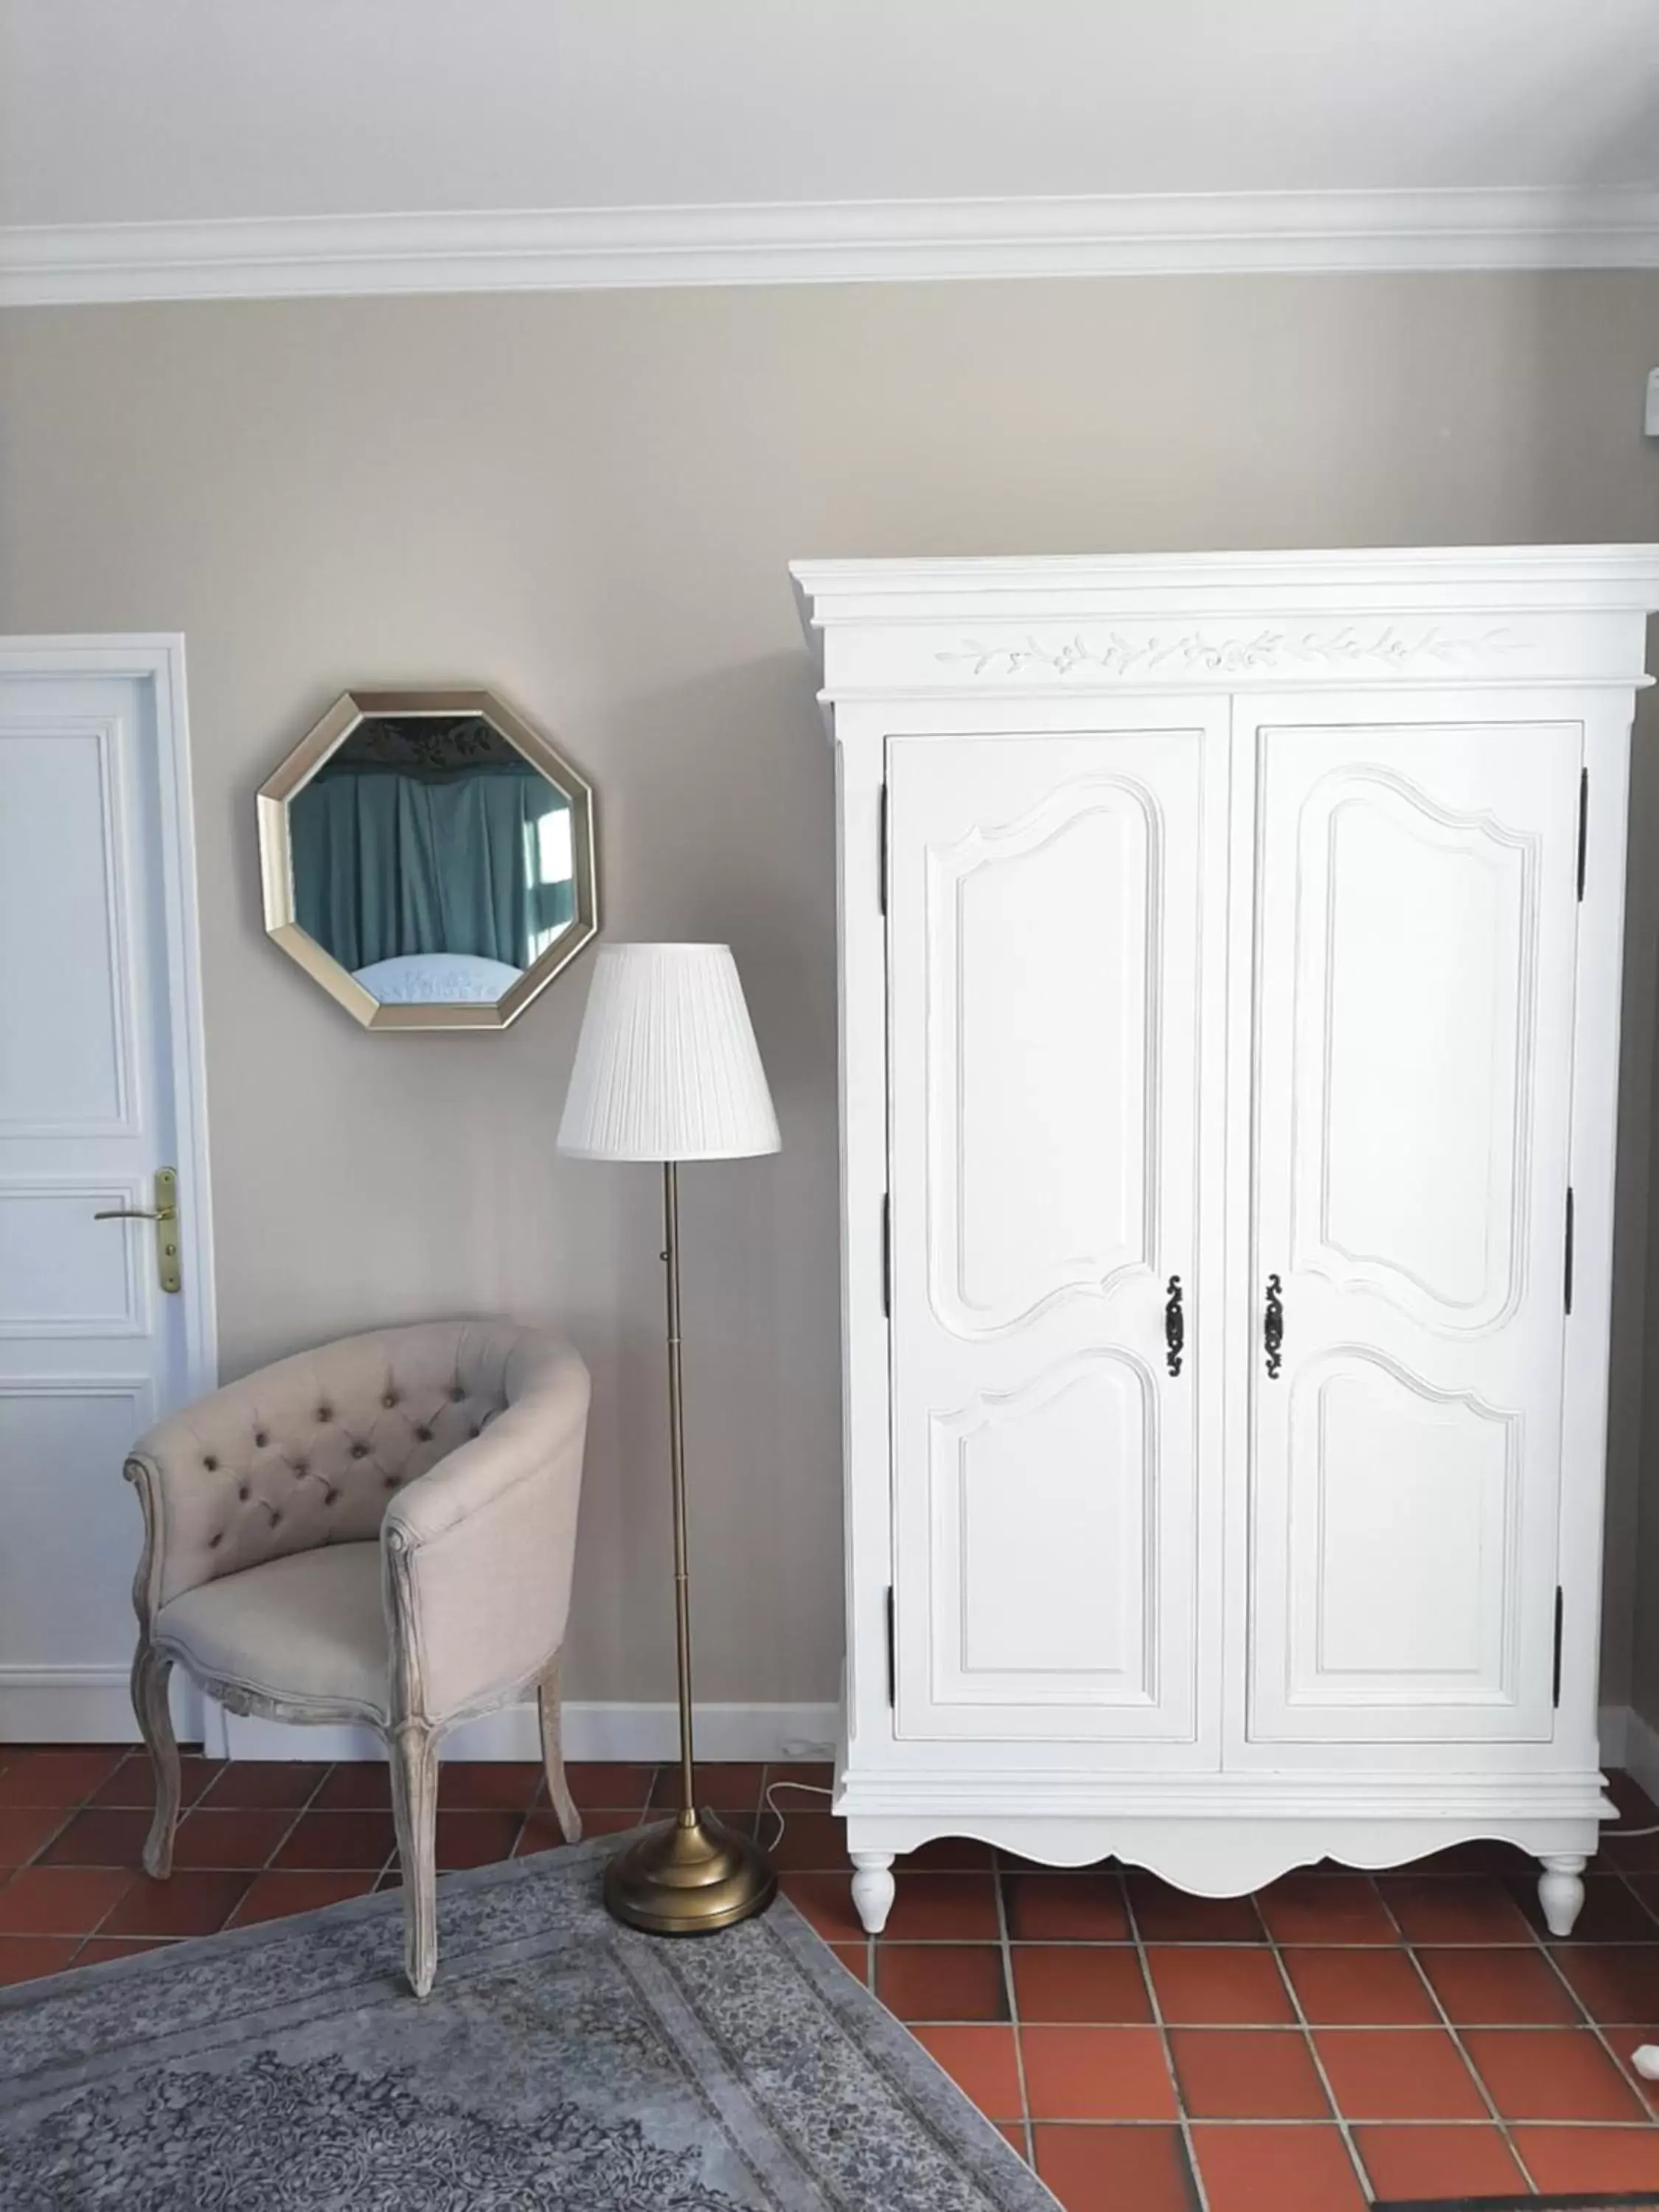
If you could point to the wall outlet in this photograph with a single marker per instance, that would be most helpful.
(1652, 424)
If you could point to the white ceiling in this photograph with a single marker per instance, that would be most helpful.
(186, 111)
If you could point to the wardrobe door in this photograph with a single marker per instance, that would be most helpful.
(1049, 1330)
(1416, 924)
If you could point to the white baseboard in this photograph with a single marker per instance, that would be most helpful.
(645, 1733)
(93, 1704)
(84, 1704)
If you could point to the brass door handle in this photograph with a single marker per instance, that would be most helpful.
(165, 1212)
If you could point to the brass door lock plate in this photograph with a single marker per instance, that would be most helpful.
(164, 1213)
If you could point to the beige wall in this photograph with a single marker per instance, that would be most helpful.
(588, 501)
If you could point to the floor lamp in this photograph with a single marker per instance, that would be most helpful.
(667, 1069)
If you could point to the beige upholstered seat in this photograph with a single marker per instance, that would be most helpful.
(308, 1630)
(381, 1531)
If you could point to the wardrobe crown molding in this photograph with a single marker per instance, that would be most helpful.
(1453, 616)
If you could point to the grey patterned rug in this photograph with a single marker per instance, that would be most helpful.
(561, 2064)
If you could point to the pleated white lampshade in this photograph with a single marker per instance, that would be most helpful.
(667, 1067)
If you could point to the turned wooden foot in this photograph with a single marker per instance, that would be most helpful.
(1561, 1893)
(873, 1888)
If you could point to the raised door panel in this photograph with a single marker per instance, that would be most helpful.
(1044, 925)
(1416, 937)
(66, 1564)
(64, 1273)
(66, 1009)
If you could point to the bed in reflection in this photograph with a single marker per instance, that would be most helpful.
(417, 979)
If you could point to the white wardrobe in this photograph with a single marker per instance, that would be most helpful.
(1230, 975)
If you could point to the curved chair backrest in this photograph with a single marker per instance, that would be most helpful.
(313, 1449)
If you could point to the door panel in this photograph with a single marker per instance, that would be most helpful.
(67, 1010)
(1417, 917)
(91, 1349)
(1044, 964)
(1041, 1203)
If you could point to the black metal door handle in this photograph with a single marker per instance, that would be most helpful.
(1272, 1325)
(1174, 1326)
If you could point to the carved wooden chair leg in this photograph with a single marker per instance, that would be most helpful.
(150, 1671)
(414, 1760)
(558, 1789)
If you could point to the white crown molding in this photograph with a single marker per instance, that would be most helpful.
(844, 241)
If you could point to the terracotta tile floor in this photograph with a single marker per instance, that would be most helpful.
(1333, 2038)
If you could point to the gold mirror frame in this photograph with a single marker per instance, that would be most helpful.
(276, 858)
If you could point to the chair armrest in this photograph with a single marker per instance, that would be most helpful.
(479, 1552)
(146, 1473)
(180, 1468)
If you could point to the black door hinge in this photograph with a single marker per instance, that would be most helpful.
(886, 1257)
(881, 846)
(893, 1652)
(1583, 826)
(1566, 1279)
(1555, 1688)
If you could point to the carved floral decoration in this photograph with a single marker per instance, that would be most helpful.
(1189, 651)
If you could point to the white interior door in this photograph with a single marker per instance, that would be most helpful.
(97, 1029)
(1417, 922)
(1044, 926)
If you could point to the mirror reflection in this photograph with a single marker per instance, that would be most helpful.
(432, 851)
(432, 860)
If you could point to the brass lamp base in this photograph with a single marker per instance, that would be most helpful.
(688, 1877)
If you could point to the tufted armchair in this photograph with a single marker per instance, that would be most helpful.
(380, 1531)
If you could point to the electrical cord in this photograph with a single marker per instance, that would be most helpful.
(815, 1789)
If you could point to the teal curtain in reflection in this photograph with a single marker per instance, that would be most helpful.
(387, 865)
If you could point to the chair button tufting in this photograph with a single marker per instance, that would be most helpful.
(393, 1480)
(261, 1438)
(325, 1412)
(299, 1467)
(390, 1399)
(243, 1493)
(210, 1464)
(457, 1394)
(425, 1435)
(476, 1430)
(215, 1541)
(330, 1495)
(359, 1451)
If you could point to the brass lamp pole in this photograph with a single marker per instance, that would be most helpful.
(667, 1069)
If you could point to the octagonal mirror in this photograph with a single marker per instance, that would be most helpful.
(427, 858)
